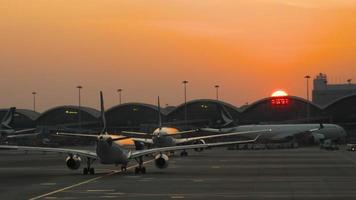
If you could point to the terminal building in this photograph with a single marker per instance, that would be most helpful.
(324, 93)
(331, 104)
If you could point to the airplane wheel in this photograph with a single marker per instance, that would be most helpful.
(143, 170)
(92, 171)
(137, 170)
(183, 153)
(85, 171)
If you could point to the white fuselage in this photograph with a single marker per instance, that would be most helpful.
(161, 137)
(288, 131)
(110, 152)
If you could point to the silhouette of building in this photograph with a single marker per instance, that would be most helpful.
(324, 93)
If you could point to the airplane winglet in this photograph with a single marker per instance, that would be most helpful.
(159, 114)
(102, 110)
(256, 138)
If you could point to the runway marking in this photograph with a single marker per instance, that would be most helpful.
(116, 193)
(215, 167)
(101, 190)
(108, 197)
(48, 184)
(84, 182)
(177, 197)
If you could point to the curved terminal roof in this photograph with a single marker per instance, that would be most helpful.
(264, 111)
(68, 115)
(23, 118)
(205, 112)
(342, 110)
(133, 116)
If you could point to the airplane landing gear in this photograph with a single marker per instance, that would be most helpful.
(140, 168)
(88, 169)
(124, 168)
(184, 153)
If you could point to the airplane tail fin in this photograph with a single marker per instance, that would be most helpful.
(8, 118)
(227, 117)
(102, 110)
(159, 114)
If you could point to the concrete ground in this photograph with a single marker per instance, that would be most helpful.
(304, 173)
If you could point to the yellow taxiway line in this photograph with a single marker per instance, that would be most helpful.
(84, 182)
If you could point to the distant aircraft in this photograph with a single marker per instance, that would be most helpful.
(321, 133)
(110, 152)
(166, 136)
(7, 131)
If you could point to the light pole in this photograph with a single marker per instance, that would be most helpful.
(79, 106)
(217, 92)
(307, 77)
(119, 91)
(185, 101)
(34, 101)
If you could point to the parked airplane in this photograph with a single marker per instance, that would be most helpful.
(110, 152)
(166, 136)
(321, 133)
(7, 131)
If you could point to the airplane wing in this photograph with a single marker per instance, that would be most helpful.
(77, 135)
(140, 153)
(143, 140)
(23, 135)
(133, 134)
(215, 130)
(185, 140)
(25, 130)
(83, 153)
(94, 137)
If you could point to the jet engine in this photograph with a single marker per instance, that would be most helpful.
(161, 161)
(199, 142)
(73, 162)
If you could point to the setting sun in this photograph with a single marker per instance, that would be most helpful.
(279, 93)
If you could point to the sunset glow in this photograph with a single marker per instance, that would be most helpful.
(148, 48)
(279, 93)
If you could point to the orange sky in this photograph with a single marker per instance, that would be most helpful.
(248, 47)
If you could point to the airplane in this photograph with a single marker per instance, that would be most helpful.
(165, 136)
(321, 133)
(110, 152)
(6, 130)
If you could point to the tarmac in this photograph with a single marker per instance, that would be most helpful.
(304, 173)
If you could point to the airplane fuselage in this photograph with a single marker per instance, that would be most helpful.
(110, 152)
(286, 132)
(163, 140)
(161, 137)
